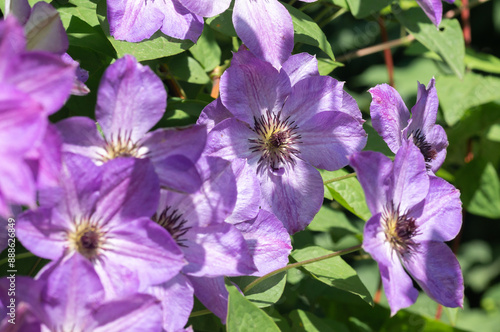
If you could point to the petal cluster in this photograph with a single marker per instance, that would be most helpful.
(284, 123)
(413, 214)
(393, 122)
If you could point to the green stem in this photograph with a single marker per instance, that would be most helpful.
(299, 264)
(338, 13)
(200, 313)
(20, 256)
(343, 177)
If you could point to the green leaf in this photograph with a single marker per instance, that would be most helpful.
(243, 315)
(457, 96)
(326, 66)
(363, 8)
(206, 50)
(83, 9)
(481, 61)
(333, 271)
(181, 112)
(158, 46)
(187, 69)
(223, 23)
(480, 187)
(265, 293)
(447, 41)
(308, 32)
(494, 133)
(330, 220)
(405, 321)
(347, 192)
(307, 321)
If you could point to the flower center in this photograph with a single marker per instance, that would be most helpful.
(87, 239)
(173, 222)
(275, 142)
(121, 146)
(399, 230)
(425, 147)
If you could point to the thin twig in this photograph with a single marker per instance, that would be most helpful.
(299, 264)
(376, 48)
(350, 175)
(389, 63)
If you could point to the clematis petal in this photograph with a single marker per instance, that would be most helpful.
(212, 114)
(46, 155)
(436, 269)
(389, 114)
(433, 9)
(216, 250)
(45, 77)
(145, 249)
(43, 233)
(80, 136)
(410, 180)
(439, 142)
(214, 200)
(21, 121)
(80, 182)
(230, 139)
(424, 113)
(248, 197)
(130, 101)
(350, 107)
(212, 293)
(133, 20)
(12, 42)
(72, 287)
(301, 187)
(268, 242)
(179, 22)
(375, 184)
(174, 153)
(19, 8)
(266, 28)
(44, 30)
(251, 86)
(300, 66)
(138, 312)
(313, 95)
(176, 296)
(18, 183)
(398, 285)
(206, 8)
(440, 216)
(328, 138)
(130, 189)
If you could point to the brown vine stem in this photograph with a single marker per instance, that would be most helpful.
(389, 63)
(299, 264)
(350, 175)
(376, 48)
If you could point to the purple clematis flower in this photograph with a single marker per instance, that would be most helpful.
(413, 214)
(136, 20)
(285, 123)
(33, 85)
(433, 9)
(211, 247)
(103, 214)
(392, 121)
(264, 26)
(130, 101)
(68, 296)
(45, 32)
